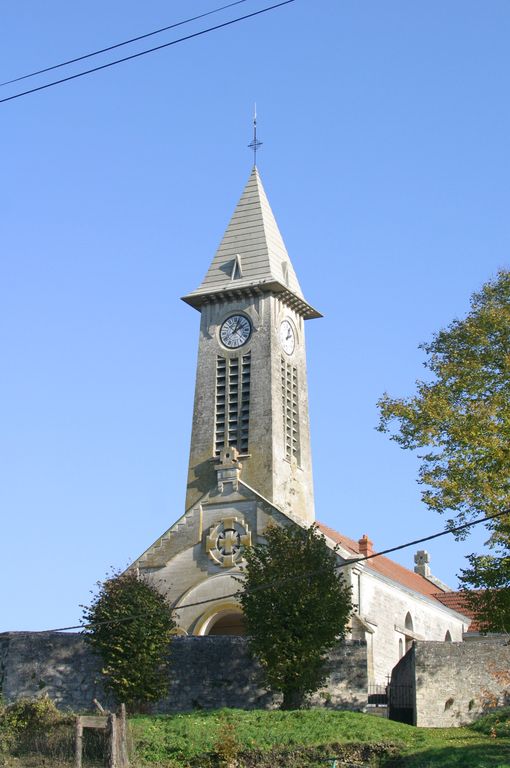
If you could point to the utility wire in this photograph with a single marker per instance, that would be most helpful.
(148, 50)
(277, 582)
(124, 42)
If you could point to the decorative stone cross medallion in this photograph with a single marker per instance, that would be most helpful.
(226, 540)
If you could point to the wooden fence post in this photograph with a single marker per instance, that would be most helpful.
(123, 745)
(78, 746)
(112, 741)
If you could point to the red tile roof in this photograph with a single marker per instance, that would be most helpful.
(387, 567)
(455, 601)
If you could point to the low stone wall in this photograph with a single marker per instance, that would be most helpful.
(207, 672)
(451, 684)
(57, 664)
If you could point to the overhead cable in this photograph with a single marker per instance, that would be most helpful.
(147, 51)
(278, 582)
(124, 42)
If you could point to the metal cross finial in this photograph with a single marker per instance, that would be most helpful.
(255, 144)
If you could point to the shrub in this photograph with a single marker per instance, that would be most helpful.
(35, 726)
(495, 724)
(227, 745)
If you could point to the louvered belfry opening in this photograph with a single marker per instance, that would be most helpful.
(290, 410)
(221, 383)
(232, 403)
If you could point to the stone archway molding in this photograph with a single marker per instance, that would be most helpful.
(215, 611)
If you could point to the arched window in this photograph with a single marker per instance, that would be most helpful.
(400, 648)
(409, 626)
(448, 637)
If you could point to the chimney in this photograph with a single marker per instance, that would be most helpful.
(365, 546)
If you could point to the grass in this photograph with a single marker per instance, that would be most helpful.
(185, 739)
(35, 734)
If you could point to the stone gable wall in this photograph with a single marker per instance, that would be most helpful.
(207, 672)
(453, 683)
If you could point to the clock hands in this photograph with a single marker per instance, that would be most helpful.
(287, 337)
(235, 331)
(240, 327)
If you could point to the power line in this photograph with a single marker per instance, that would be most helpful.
(124, 42)
(457, 529)
(277, 582)
(148, 50)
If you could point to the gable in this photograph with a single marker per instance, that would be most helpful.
(213, 505)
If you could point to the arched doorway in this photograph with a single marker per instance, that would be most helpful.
(221, 619)
(228, 624)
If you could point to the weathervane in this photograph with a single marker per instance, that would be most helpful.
(255, 144)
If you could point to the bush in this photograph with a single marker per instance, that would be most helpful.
(35, 726)
(495, 724)
(227, 746)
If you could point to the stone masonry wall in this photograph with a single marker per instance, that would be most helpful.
(207, 672)
(60, 665)
(455, 682)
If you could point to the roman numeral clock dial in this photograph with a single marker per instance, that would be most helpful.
(235, 331)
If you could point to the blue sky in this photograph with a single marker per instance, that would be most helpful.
(386, 162)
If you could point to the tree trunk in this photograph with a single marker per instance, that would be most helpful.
(292, 699)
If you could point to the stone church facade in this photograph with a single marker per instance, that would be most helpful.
(250, 460)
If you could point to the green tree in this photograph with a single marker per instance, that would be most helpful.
(461, 417)
(486, 585)
(129, 623)
(461, 414)
(296, 606)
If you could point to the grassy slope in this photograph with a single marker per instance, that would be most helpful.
(181, 737)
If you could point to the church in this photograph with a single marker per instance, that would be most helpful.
(250, 461)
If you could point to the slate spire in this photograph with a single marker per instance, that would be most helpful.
(252, 255)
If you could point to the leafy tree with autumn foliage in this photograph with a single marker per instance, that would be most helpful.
(129, 623)
(296, 606)
(460, 417)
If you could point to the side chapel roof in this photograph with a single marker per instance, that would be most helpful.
(456, 602)
(389, 568)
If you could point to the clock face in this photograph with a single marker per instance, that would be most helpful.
(287, 337)
(235, 331)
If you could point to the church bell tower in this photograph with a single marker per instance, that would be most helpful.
(251, 390)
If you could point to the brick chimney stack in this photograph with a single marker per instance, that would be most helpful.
(365, 546)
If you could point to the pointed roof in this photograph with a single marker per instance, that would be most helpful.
(252, 255)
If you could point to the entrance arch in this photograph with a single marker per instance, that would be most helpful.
(221, 619)
(228, 624)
